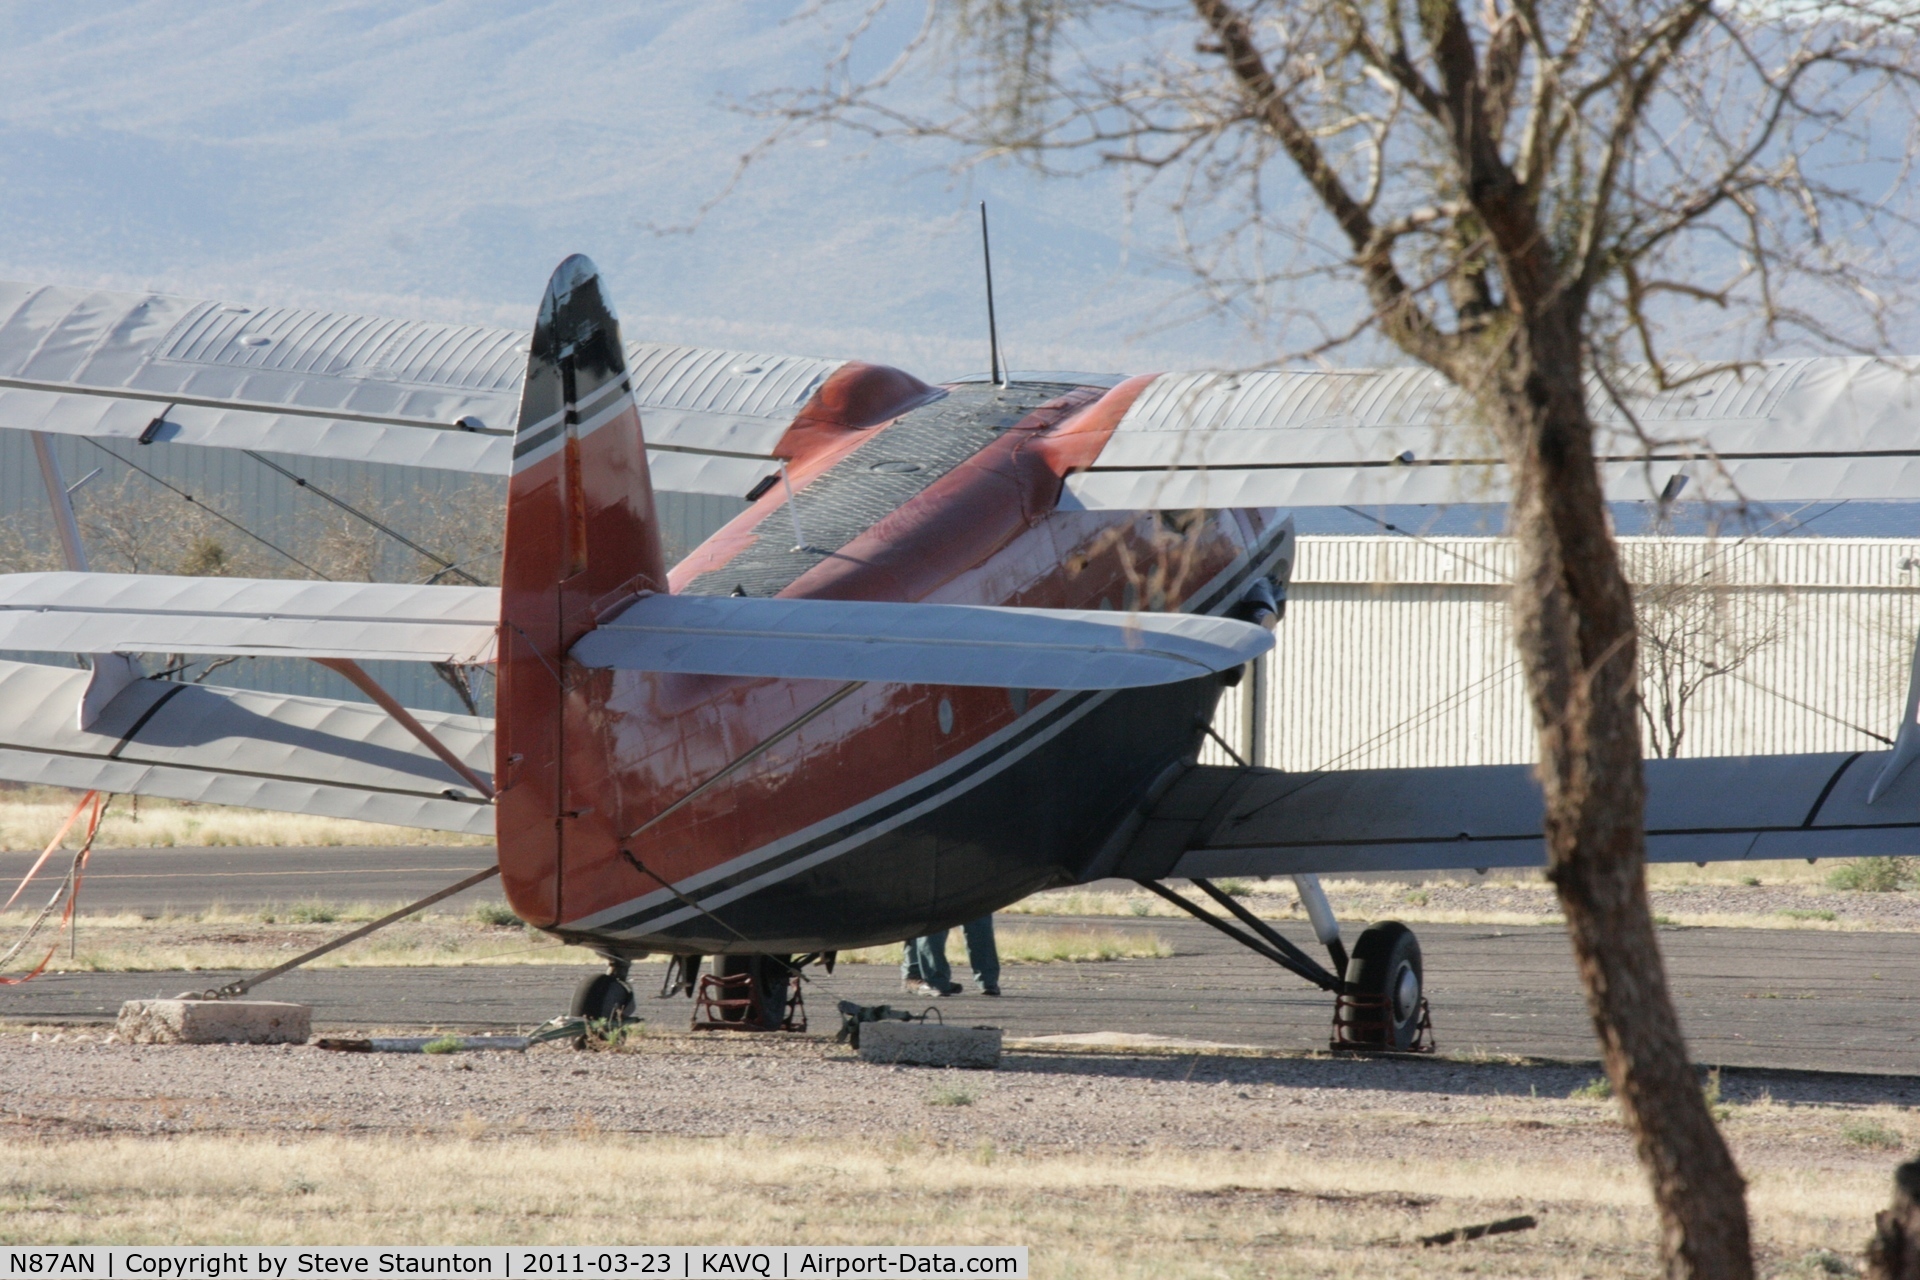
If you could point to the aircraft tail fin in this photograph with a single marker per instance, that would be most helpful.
(582, 538)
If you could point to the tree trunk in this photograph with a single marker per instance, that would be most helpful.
(1573, 618)
(1894, 1251)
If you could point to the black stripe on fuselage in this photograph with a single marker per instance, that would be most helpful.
(959, 779)
(1017, 829)
(955, 783)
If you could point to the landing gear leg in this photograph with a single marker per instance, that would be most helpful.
(1325, 926)
(682, 976)
(1379, 1003)
(605, 997)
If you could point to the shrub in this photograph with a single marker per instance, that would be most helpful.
(497, 914)
(1872, 875)
(1597, 1089)
(1870, 1133)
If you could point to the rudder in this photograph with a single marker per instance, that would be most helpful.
(582, 538)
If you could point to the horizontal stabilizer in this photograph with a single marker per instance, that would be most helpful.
(230, 746)
(250, 617)
(917, 643)
(1218, 821)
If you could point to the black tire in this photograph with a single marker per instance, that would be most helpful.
(774, 975)
(1386, 965)
(770, 976)
(733, 967)
(603, 998)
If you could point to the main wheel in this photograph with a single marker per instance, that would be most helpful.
(770, 975)
(1386, 967)
(603, 998)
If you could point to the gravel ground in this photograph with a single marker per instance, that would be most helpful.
(78, 1083)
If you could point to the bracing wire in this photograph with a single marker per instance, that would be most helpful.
(446, 565)
(216, 514)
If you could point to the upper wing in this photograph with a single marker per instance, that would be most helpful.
(1218, 821)
(265, 618)
(1777, 431)
(229, 746)
(923, 643)
(152, 367)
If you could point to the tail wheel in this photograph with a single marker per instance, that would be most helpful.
(1386, 980)
(603, 998)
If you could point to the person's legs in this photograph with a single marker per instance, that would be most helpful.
(930, 956)
(909, 963)
(982, 954)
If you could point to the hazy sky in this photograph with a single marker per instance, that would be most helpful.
(436, 160)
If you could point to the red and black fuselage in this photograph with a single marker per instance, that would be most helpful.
(644, 812)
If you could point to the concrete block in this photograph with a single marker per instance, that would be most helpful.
(930, 1044)
(213, 1022)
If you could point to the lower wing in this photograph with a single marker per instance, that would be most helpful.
(1219, 821)
(230, 746)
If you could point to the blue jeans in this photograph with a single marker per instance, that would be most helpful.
(925, 959)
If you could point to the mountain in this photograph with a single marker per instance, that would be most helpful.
(436, 160)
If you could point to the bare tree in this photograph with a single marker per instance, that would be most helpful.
(130, 526)
(1524, 193)
(1695, 626)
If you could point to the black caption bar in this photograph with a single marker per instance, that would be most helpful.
(500, 1262)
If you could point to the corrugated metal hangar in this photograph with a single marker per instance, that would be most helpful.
(1394, 652)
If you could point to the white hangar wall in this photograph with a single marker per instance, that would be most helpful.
(1395, 651)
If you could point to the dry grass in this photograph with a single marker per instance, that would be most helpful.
(1511, 898)
(224, 938)
(1153, 1214)
(30, 816)
(229, 938)
(1791, 872)
(1070, 944)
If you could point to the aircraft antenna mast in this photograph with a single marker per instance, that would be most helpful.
(993, 330)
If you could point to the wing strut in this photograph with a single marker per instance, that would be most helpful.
(366, 684)
(112, 672)
(1275, 947)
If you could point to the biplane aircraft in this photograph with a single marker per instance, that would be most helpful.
(963, 644)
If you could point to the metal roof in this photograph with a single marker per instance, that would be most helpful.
(340, 385)
(1807, 429)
